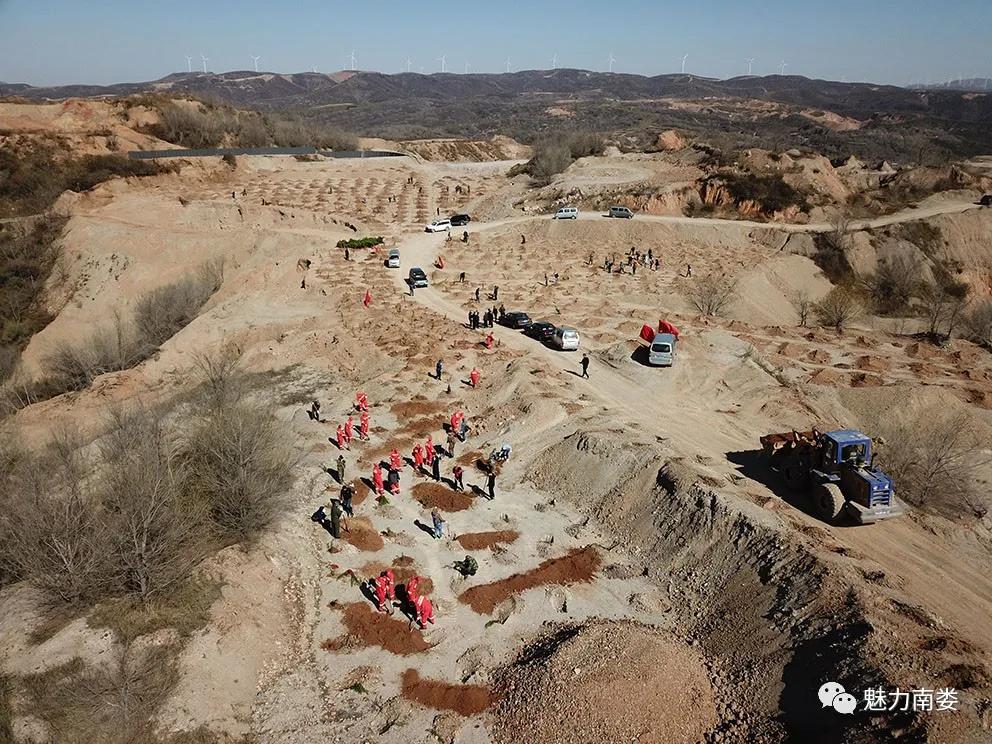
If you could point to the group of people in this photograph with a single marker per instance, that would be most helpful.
(632, 260)
(416, 605)
(345, 432)
(488, 319)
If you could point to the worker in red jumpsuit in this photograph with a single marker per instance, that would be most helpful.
(363, 425)
(411, 588)
(377, 478)
(340, 437)
(349, 429)
(395, 461)
(362, 400)
(474, 376)
(418, 457)
(380, 586)
(455, 421)
(429, 451)
(489, 340)
(423, 612)
(390, 578)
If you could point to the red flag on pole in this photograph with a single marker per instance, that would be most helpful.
(368, 298)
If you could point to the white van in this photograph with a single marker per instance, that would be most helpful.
(662, 351)
(565, 338)
(622, 212)
(567, 213)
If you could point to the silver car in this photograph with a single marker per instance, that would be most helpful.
(662, 351)
(565, 338)
(393, 259)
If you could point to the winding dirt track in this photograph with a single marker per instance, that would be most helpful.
(681, 407)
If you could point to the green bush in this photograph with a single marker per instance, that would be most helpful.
(354, 243)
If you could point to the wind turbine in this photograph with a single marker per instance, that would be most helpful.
(750, 61)
(443, 59)
(684, 58)
(783, 66)
(189, 63)
(468, 67)
(315, 68)
(408, 63)
(353, 61)
(205, 60)
(255, 59)
(507, 64)
(612, 60)
(554, 61)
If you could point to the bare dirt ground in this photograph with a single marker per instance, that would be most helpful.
(632, 559)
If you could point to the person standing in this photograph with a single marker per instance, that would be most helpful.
(438, 369)
(340, 437)
(377, 479)
(458, 474)
(347, 494)
(495, 293)
(451, 442)
(418, 458)
(438, 523)
(349, 429)
(491, 484)
(474, 376)
(436, 468)
(340, 470)
(363, 425)
(585, 366)
(336, 518)
(477, 291)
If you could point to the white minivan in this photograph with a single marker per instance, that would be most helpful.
(567, 213)
(565, 338)
(662, 351)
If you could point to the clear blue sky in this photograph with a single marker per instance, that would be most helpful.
(47, 42)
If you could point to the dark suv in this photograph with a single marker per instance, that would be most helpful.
(459, 220)
(516, 320)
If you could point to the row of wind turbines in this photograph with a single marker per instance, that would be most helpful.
(443, 59)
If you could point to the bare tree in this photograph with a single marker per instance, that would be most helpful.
(936, 461)
(712, 294)
(978, 324)
(894, 282)
(802, 303)
(239, 468)
(157, 532)
(942, 304)
(838, 309)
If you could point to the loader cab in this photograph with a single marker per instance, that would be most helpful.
(847, 446)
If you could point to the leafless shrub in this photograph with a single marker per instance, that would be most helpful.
(802, 303)
(113, 703)
(157, 532)
(839, 308)
(52, 529)
(163, 312)
(892, 285)
(550, 159)
(712, 294)
(978, 324)
(239, 468)
(936, 460)
(222, 382)
(831, 250)
(942, 304)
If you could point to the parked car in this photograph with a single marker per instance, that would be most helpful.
(393, 259)
(417, 278)
(541, 330)
(565, 338)
(567, 213)
(441, 225)
(661, 353)
(516, 320)
(621, 212)
(459, 220)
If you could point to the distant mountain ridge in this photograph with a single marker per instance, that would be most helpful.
(885, 121)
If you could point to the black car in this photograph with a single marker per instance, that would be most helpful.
(460, 219)
(516, 320)
(541, 330)
(986, 201)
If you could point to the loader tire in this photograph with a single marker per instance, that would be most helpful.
(796, 477)
(828, 501)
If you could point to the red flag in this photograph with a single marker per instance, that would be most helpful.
(647, 333)
(665, 327)
(368, 298)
